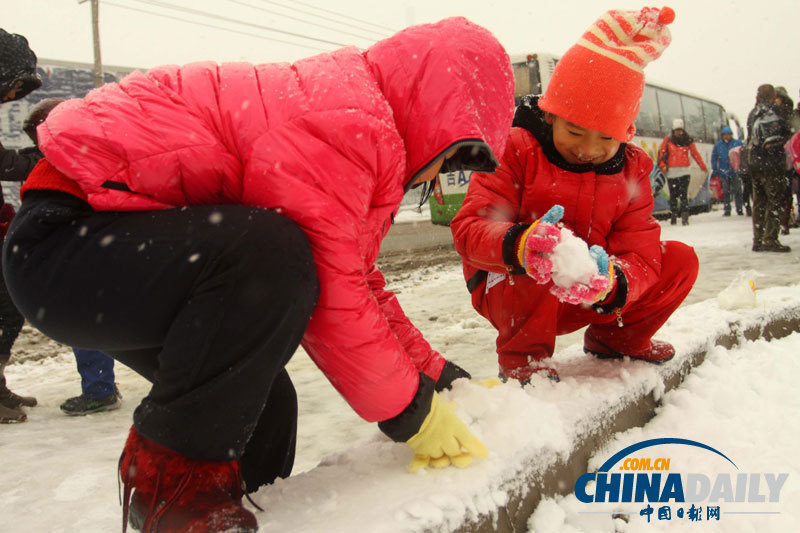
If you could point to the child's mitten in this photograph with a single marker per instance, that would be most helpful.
(537, 241)
(599, 286)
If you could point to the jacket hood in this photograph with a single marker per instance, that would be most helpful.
(17, 64)
(446, 83)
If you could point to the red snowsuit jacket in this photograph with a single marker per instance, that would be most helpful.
(330, 141)
(609, 205)
(670, 155)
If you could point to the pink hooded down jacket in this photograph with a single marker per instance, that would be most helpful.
(329, 141)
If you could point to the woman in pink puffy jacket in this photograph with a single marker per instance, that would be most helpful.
(198, 223)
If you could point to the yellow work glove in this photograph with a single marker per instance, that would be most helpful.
(489, 383)
(444, 439)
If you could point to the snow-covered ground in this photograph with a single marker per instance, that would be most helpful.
(59, 473)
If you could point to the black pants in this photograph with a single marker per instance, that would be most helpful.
(747, 189)
(11, 322)
(207, 302)
(678, 190)
(769, 192)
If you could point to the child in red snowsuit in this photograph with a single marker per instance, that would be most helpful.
(567, 149)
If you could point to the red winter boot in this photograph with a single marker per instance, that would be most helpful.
(175, 494)
(523, 368)
(657, 352)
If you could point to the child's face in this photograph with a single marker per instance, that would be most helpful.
(579, 145)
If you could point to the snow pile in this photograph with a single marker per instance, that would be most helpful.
(571, 261)
(739, 415)
(741, 292)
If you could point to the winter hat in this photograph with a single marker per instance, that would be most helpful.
(17, 63)
(727, 129)
(598, 83)
(677, 124)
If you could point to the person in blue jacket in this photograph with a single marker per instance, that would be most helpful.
(721, 166)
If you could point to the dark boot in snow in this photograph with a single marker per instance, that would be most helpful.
(11, 416)
(657, 352)
(775, 247)
(82, 405)
(685, 218)
(7, 398)
(173, 493)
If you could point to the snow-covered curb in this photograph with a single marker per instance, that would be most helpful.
(541, 437)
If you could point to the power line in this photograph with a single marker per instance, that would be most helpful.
(372, 39)
(107, 2)
(235, 21)
(381, 33)
(393, 30)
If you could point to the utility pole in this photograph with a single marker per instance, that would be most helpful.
(98, 63)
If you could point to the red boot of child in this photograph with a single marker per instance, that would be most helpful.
(657, 352)
(524, 367)
(175, 494)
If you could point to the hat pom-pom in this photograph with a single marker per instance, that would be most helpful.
(666, 16)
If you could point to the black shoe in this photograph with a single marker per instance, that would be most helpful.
(81, 405)
(740, 213)
(727, 214)
(748, 211)
(775, 247)
(758, 247)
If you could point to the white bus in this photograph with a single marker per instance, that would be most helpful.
(704, 119)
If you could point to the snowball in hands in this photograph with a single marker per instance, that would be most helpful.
(572, 262)
(580, 274)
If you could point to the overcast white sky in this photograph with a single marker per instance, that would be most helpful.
(721, 49)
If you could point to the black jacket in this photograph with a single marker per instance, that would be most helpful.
(760, 159)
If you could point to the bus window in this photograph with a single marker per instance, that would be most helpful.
(527, 79)
(715, 120)
(669, 104)
(522, 80)
(693, 118)
(647, 120)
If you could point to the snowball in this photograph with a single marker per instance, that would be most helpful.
(571, 261)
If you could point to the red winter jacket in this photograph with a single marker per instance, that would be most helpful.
(678, 156)
(330, 142)
(609, 205)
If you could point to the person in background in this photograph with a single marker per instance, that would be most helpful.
(18, 78)
(98, 390)
(568, 165)
(794, 120)
(735, 160)
(786, 107)
(673, 159)
(208, 219)
(721, 166)
(767, 132)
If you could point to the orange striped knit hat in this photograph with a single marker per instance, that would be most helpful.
(598, 83)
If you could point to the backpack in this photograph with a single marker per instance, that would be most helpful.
(767, 129)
